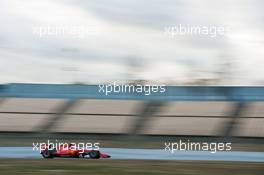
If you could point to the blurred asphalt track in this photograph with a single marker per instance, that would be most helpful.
(148, 154)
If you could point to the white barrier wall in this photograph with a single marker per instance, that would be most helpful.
(118, 116)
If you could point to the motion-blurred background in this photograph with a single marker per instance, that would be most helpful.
(99, 41)
(50, 51)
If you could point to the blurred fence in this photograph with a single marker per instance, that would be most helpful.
(190, 110)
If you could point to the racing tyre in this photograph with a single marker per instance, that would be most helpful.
(46, 154)
(94, 154)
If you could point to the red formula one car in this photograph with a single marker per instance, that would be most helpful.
(71, 152)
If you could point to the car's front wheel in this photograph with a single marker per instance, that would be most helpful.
(94, 154)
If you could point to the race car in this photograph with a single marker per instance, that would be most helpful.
(71, 152)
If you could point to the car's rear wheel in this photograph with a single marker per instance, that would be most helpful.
(47, 154)
(94, 154)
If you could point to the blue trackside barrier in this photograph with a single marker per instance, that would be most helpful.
(172, 93)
